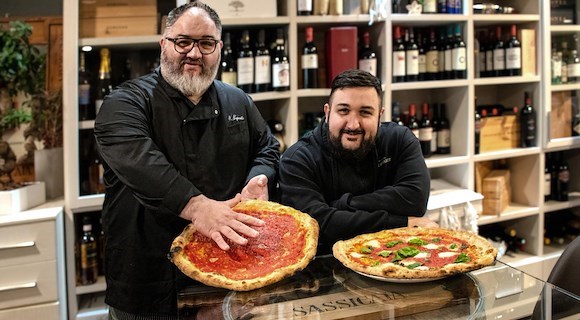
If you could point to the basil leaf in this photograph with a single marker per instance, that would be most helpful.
(436, 239)
(417, 241)
(405, 252)
(414, 265)
(462, 258)
(366, 249)
(453, 246)
(391, 244)
(385, 253)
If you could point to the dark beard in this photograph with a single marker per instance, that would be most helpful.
(340, 152)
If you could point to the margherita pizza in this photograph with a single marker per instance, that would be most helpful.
(285, 244)
(415, 253)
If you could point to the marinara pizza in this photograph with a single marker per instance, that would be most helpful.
(415, 253)
(285, 244)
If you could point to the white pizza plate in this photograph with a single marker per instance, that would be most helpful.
(398, 280)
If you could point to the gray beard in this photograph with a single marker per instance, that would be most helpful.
(189, 85)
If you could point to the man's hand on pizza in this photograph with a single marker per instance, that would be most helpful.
(422, 222)
(217, 220)
(257, 188)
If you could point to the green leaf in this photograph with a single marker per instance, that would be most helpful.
(391, 244)
(366, 249)
(405, 252)
(414, 265)
(462, 258)
(417, 241)
(385, 253)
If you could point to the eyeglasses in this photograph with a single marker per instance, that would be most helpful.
(185, 45)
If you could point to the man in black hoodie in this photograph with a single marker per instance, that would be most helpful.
(352, 173)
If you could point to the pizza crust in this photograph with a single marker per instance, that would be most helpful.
(479, 248)
(307, 223)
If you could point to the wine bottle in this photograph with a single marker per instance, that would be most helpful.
(564, 61)
(547, 178)
(441, 53)
(88, 245)
(280, 64)
(245, 64)
(127, 73)
(435, 115)
(412, 122)
(574, 67)
(229, 74)
(277, 129)
(477, 141)
(104, 86)
(459, 58)
(448, 54)
(84, 90)
(309, 61)
(527, 123)
(482, 56)
(489, 54)
(429, 6)
(396, 114)
(367, 58)
(563, 178)
(399, 64)
(499, 55)
(432, 58)
(262, 64)
(425, 131)
(101, 252)
(422, 43)
(411, 57)
(304, 7)
(513, 54)
(96, 174)
(443, 132)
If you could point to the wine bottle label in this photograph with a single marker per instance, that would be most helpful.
(459, 59)
(426, 134)
(441, 61)
(84, 93)
(443, 138)
(448, 60)
(398, 63)
(280, 75)
(412, 61)
(422, 63)
(574, 70)
(245, 70)
(304, 5)
(432, 62)
(482, 62)
(368, 65)
(547, 184)
(434, 141)
(513, 58)
(230, 78)
(262, 69)
(564, 176)
(499, 59)
(88, 255)
(489, 60)
(430, 6)
(310, 61)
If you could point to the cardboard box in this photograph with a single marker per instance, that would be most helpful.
(117, 27)
(496, 206)
(116, 8)
(499, 133)
(244, 8)
(528, 45)
(561, 115)
(341, 51)
(495, 183)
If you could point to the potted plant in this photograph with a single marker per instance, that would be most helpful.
(22, 73)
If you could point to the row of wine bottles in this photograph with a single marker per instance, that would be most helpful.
(565, 60)
(433, 128)
(561, 227)
(513, 241)
(556, 177)
(260, 65)
(498, 53)
(89, 248)
(429, 57)
(430, 6)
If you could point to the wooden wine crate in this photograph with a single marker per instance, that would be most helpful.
(561, 115)
(499, 133)
(495, 206)
(496, 192)
(528, 45)
(118, 27)
(116, 8)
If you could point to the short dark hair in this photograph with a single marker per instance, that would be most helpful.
(355, 78)
(178, 12)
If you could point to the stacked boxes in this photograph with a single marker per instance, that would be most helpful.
(499, 133)
(496, 192)
(117, 18)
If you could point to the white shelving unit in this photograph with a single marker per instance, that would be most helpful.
(526, 212)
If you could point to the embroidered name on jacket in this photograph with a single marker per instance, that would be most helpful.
(383, 161)
(235, 118)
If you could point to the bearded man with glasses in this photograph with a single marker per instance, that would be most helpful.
(178, 147)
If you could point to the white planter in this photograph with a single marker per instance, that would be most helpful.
(21, 199)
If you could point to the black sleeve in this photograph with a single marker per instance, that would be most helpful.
(301, 188)
(266, 158)
(409, 193)
(124, 141)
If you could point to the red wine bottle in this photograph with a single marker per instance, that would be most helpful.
(425, 131)
(513, 54)
(309, 61)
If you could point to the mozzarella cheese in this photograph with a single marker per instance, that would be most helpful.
(447, 254)
(422, 255)
(431, 246)
(423, 268)
(373, 243)
(409, 262)
(356, 255)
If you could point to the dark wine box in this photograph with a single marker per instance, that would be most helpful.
(341, 51)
